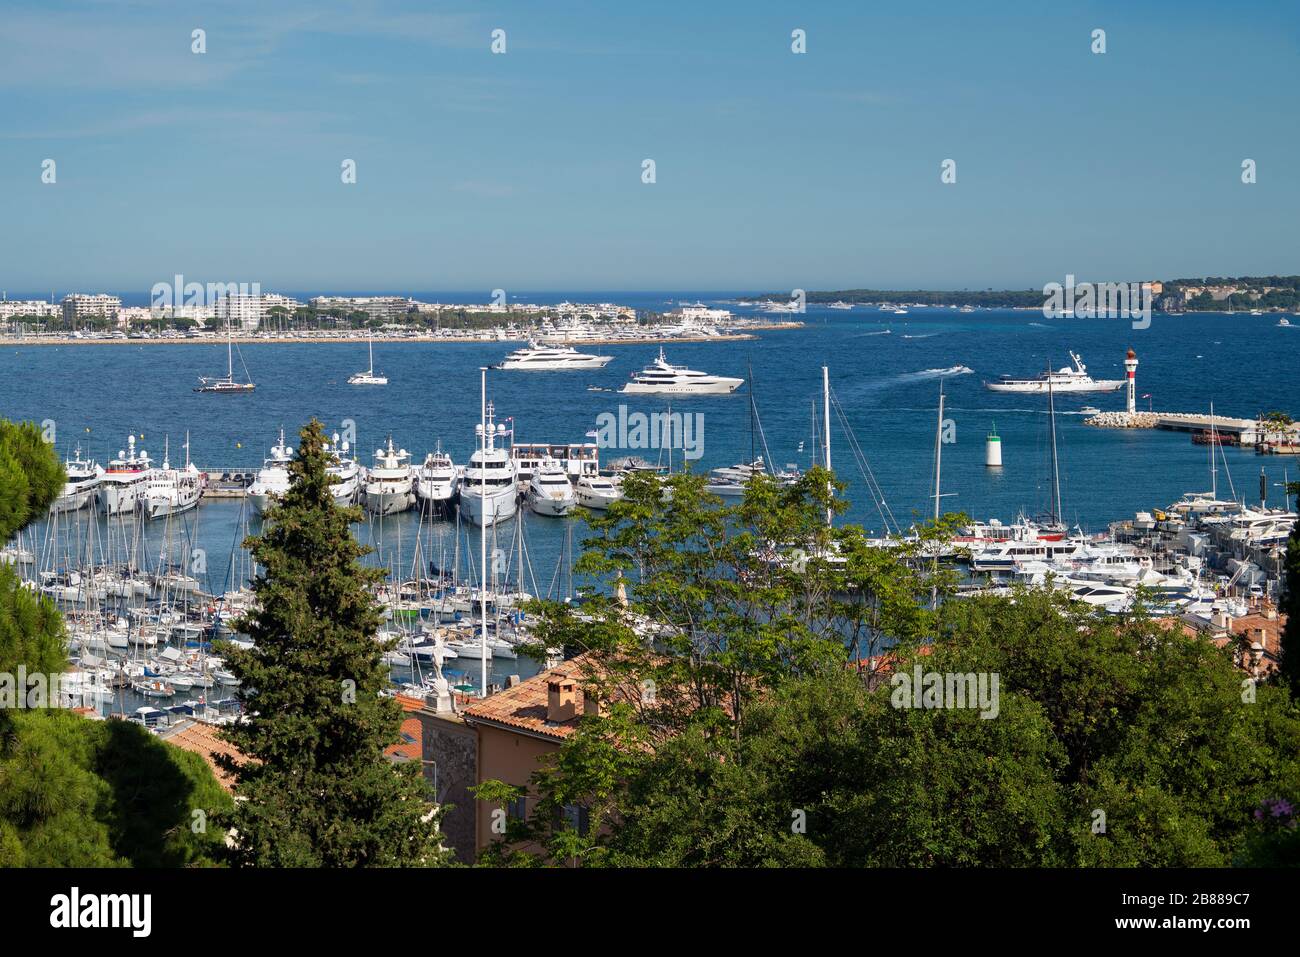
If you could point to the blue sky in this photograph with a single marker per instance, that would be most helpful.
(523, 170)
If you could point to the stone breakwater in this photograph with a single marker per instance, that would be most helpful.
(1124, 420)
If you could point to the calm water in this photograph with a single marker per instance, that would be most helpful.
(96, 394)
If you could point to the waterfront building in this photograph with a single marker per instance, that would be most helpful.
(16, 308)
(377, 307)
(79, 307)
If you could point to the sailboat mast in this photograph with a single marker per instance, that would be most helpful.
(482, 574)
(1056, 471)
(826, 436)
(938, 452)
(1214, 466)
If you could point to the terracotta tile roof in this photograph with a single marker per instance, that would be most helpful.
(204, 740)
(524, 705)
(412, 749)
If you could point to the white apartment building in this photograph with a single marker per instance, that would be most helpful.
(378, 307)
(247, 311)
(78, 307)
(13, 308)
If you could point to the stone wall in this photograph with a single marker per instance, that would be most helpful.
(450, 766)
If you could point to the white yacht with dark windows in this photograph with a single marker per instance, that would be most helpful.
(390, 482)
(537, 358)
(487, 489)
(598, 492)
(344, 471)
(437, 483)
(82, 487)
(172, 491)
(272, 478)
(123, 485)
(663, 378)
(1071, 378)
(549, 490)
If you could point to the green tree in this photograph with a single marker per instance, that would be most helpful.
(1289, 668)
(318, 788)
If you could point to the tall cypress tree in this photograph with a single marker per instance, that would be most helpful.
(318, 788)
(1290, 606)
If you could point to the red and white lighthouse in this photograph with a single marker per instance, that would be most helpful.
(1131, 368)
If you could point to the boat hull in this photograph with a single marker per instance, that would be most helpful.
(499, 505)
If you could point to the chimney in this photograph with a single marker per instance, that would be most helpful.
(561, 699)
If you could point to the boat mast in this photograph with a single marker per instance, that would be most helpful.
(483, 503)
(1214, 468)
(938, 452)
(826, 437)
(1056, 471)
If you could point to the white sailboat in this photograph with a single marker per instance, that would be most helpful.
(226, 384)
(368, 377)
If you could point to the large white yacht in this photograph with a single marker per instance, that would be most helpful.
(390, 482)
(272, 478)
(344, 471)
(487, 489)
(732, 481)
(82, 486)
(549, 490)
(662, 378)
(1071, 378)
(171, 491)
(535, 358)
(436, 482)
(123, 485)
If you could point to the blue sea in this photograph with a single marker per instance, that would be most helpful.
(884, 372)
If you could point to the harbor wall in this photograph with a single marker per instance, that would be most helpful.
(449, 760)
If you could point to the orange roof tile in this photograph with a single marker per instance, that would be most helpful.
(204, 740)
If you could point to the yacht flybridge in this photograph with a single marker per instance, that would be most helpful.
(82, 486)
(662, 378)
(488, 492)
(226, 384)
(535, 358)
(1071, 378)
(368, 377)
(390, 482)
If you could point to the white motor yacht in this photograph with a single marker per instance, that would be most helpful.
(123, 485)
(272, 478)
(1071, 378)
(171, 491)
(390, 482)
(487, 489)
(437, 484)
(597, 492)
(344, 471)
(537, 358)
(549, 490)
(82, 487)
(663, 378)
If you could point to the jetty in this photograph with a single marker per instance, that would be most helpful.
(1244, 431)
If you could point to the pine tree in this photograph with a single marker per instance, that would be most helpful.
(1289, 668)
(318, 788)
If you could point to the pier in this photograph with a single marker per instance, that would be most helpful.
(1244, 431)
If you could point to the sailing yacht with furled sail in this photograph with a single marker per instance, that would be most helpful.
(227, 384)
(368, 377)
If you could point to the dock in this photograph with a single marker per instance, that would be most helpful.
(1242, 431)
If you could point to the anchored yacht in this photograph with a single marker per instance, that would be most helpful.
(368, 377)
(549, 491)
(662, 378)
(1071, 378)
(390, 482)
(81, 489)
(487, 489)
(550, 359)
(272, 478)
(437, 484)
(124, 481)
